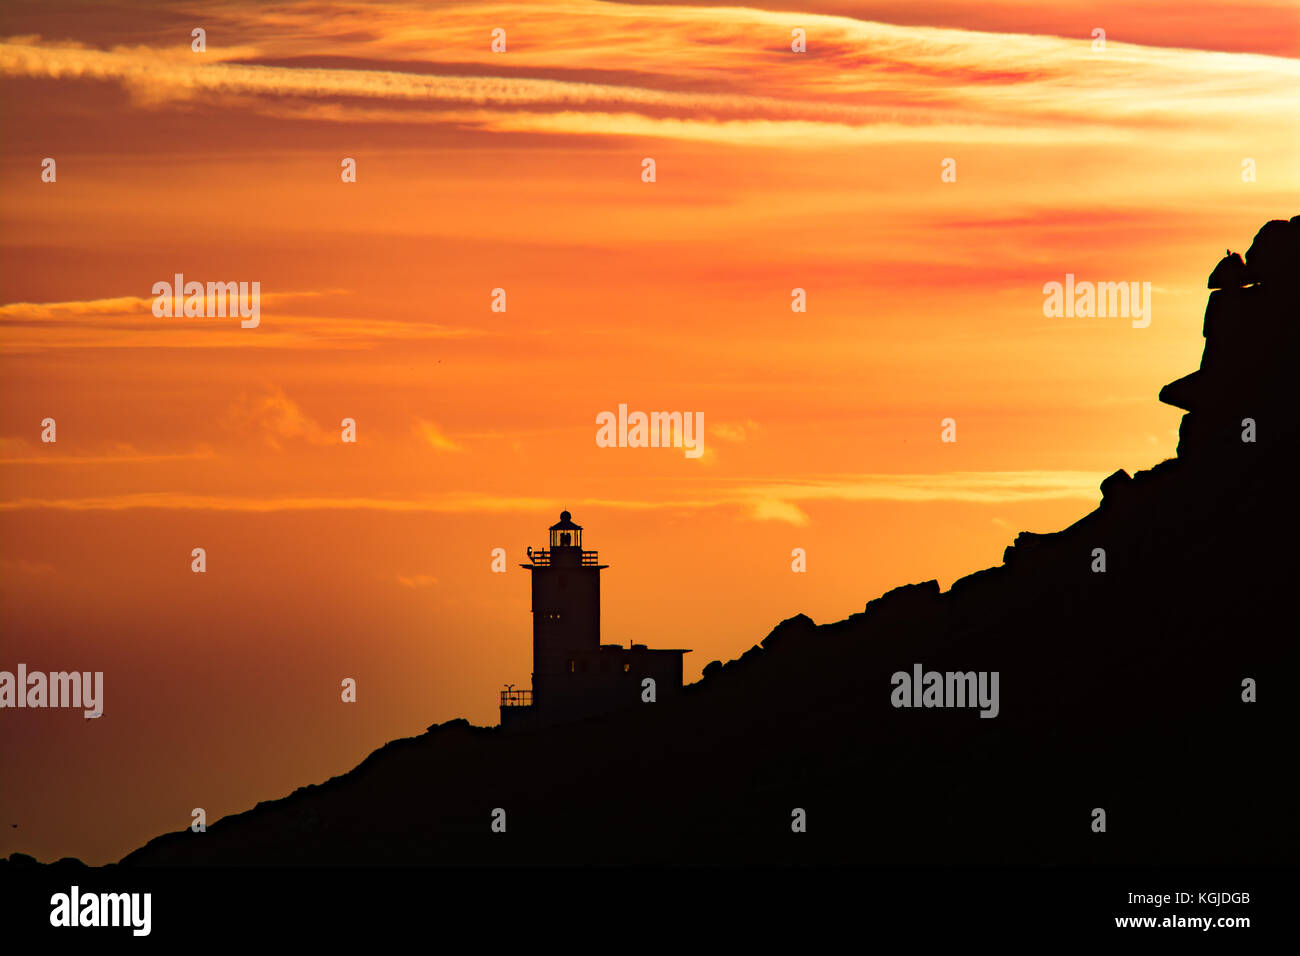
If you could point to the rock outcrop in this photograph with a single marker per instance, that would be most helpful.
(1248, 371)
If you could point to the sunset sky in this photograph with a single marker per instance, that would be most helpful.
(522, 170)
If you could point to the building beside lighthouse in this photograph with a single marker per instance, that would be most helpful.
(574, 674)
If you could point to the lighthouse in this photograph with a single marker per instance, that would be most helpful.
(566, 608)
(574, 674)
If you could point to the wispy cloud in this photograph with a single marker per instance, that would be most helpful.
(432, 435)
(776, 501)
(416, 581)
(974, 486)
(864, 79)
(19, 451)
(128, 322)
(733, 431)
(278, 419)
(452, 503)
(118, 305)
(767, 501)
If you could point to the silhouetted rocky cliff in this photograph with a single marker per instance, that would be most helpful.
(1120, 690)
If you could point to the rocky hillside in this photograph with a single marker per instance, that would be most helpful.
(1119, 689)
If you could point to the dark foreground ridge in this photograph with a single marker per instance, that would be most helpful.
(1120, 690)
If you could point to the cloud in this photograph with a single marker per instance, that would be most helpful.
(860, 81)
(19, 451)
(450, 503)
(100, 323)
(982, 487)
(733, 431)
(433, 436)
(775, 500)
(278, 419)
(416, 581)
(118, 305)
(772, 509)
(53, 311)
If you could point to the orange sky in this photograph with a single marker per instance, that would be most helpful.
(522, 170)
